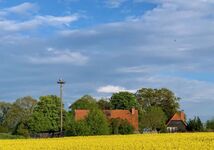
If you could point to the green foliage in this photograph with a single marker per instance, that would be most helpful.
(120, 126)
(13, 117)
(97, 122)
(210, 125)
(4, 107)
(195, 125)
(26, 103)
(46, 115)
(163, 98)
(104, 104)
(20, 111)
(126, 128)
(75, 128)
(70, 125)
(82, 128)
(85, 102)
(123, 100)
(9, 136)
(38, 123)
(153, 118)
(22, 130)
(3, 129)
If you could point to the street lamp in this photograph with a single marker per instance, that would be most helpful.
(61, 82)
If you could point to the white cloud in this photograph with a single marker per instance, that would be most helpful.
(78, 32)
(114, 3)
(24, 8)
(113, 89)
(26, 19)
(57, 20)
(138, 69)
(37, 21)
(155, 68)
(58, 57)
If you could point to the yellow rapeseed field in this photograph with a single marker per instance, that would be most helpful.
(178, 141)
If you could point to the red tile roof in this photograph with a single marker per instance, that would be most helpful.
(179, 116)
(131, 117)
(81, 114)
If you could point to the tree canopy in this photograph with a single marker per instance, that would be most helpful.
(46, 115)
(85, 102)
(210, 125)
(4, 108)
(20, 111)
(97, 122)
(104, 104)
(153, 118)
(123, 100)
(195, 125)
(163, 98)
(120, 126)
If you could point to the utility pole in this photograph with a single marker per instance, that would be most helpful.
(61, 82)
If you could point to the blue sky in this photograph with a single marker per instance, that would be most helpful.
(105, 46)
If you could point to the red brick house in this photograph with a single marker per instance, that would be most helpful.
(130, 116)
(177, 123)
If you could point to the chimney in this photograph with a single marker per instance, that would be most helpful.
(133, 110)
(182, 115)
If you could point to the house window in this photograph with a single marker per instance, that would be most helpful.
(172, 129)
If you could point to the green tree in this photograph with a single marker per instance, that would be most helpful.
(163, 98)
(70, 125)
(97, 122)
(104, 104)
(210, 125)
(22, 129)
(46, 115)
(195, 125)
(20, 111)
(82, 128)
(123, 100)
(85, 102)
(153, 118)
(94, 124)
(38, 122)
(4, 107)
(75, 128)
(120, 126)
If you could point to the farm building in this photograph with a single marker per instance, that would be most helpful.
(177, 123)
(130, 116)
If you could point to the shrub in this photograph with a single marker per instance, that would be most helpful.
(94, 124)
(76, 128)
(82, 128)
(120, 126)
(97, 122)
(22, 130)
(9, 136)
(70, 125)
(153, 118)
(210, 125)
(3, 129)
